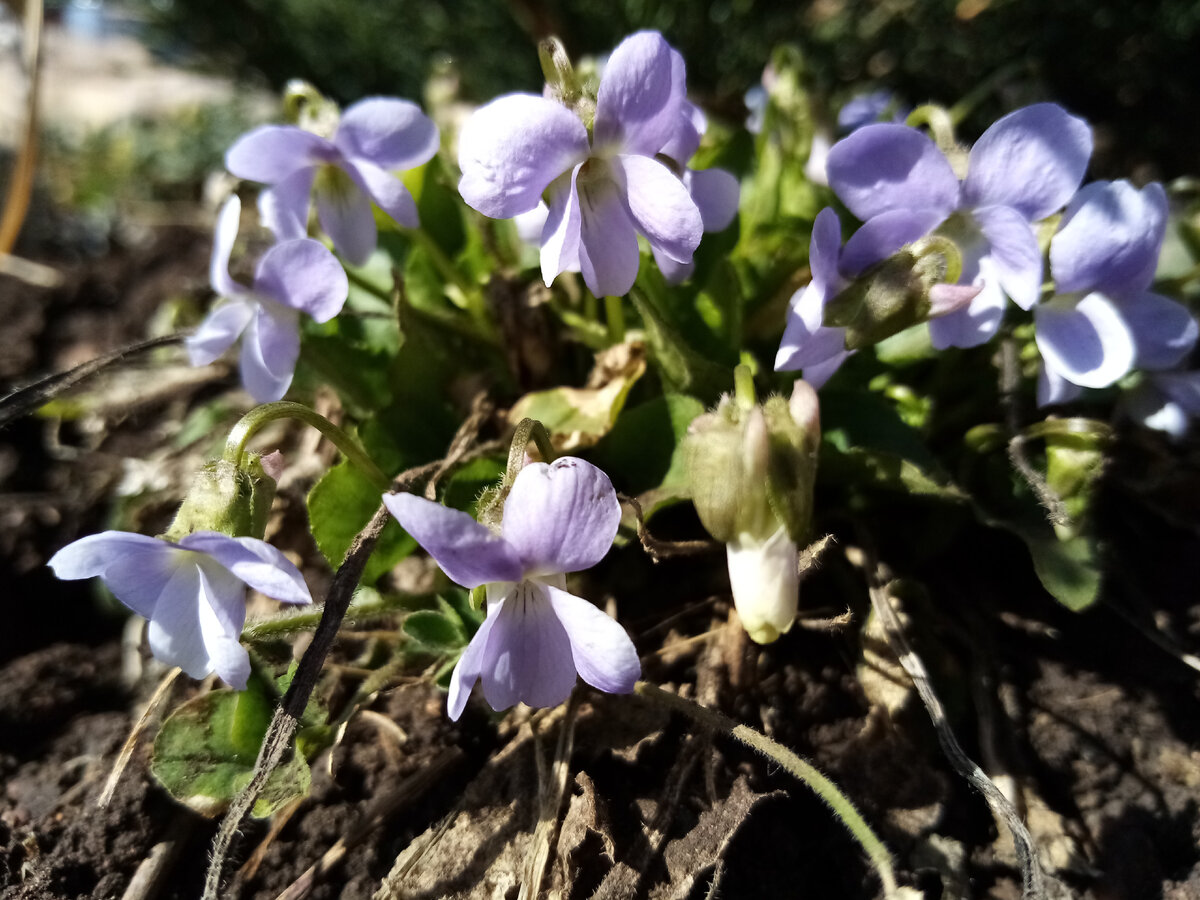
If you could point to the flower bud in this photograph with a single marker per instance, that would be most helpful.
(766, 584)
(227, 499)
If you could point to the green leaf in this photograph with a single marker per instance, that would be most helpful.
(1067, 569)
(206, 749)
(437, 630)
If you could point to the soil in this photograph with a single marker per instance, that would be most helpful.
(1089, 721)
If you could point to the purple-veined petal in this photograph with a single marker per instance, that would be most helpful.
(641, 94)
(561, 517)
(660, 206)
(219, 330)
(511, 149)
(284, 207)
(273, 152)
(1013, 251)
(1163, 329)
(174, 631)
(467, 552)
(528, 654)
(303, 275)
(224, 236)
(885, 234)
(602, 652)
(674, 272)
(1032, 160)
(806, 341)
(715, 193)
(136, 568)
(1053, 389)
(255, 562)
(1109, 238)
(391, 133)
(562, 229)
(270, 348)
(885, 167)
(470, 665)
(221, 600)
(344, 210)
(979, 322)
(1086, 341)
(388, 192)
(608, 247)
(689, 127)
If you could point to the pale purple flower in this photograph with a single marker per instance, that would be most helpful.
(193, 592)
(558, 518)
(1025, 167)
(294, 276)
(1103, 320)
(866, 109)
(375, 138)
(1164, 401)
(603, 187)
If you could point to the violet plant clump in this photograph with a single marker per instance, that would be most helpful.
(558, 518)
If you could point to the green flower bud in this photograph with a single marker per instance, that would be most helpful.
(228, 499)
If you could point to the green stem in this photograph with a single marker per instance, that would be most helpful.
(614, 313)
(743, 387)
(291, 622)
(235, 444)
(941, 126)
(526, 430)
(876, 852)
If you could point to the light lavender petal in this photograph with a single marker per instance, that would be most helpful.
(979, 322)
(561, 517)
(284, 207)
(221, 601)
(1109, 238)
(224, 236)
(470, 665)
(806, 341)
(174, 631)
(674, 272)
(511, 149)
(608, 247)
(391, 133)
(660, 206)
(387, 191)
(689, 128)
(528, 655)
(273, 152)
(885, 234)
(270, 347)
(1163, 329)
(303, 275)
(715, 193)
(819, 373)
(1085, 341)
(562, 229)
(1013, 250)
(344, 210)
(1032, 160)
(136, 568)
(639, 103)
(219, 330)
(467, 552)
(254, 562)
(825, 251)
(601, 651)
(881, 168)
(1052, 388)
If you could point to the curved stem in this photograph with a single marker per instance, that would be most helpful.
(876, 852)
(235, 444)
(614, 313)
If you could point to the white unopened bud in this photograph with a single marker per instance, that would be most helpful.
(765, 582)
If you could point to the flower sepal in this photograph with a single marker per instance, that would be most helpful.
(226, 498)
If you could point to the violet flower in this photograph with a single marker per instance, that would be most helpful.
(293, 276)
(193, 592)
(558, 518)
(603, 185)
(1104, 320)
(375, 137)
(1023, 168)
(1164, 401)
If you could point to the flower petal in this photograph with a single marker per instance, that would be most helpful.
(224, 236)
(284, 207)
(391, 133)
(561, 517)
(528, 654)
(601, 650)
(344, 210)
(1163, 329)
(270, 348)
(1053, 389)
(674, 272)
(303, 275)
(715, 193)
(273, 152)
(136, 568)
(825, 250)
(608, 247)
(661, 207)
(221, 600)
(219, 330)
(511, 149)
(640, 100)
(979, 322)
(886, 167)
(255, 562)
(562, 228)
(387, 191)
(689, 127)
(806, 341)
(1085, 341)
(1032, 160)
(764, 579)
(467, 552)
(885, 234)
(1148, 405)
(1182, 387)
(174, 631)
(470, 665)
(819, 373)
(1015, 258)
(1109, 238)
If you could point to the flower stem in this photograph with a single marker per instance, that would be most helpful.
(743, 387)
(235, 444)
(614, 313)
(941, 126)
(876, 852)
